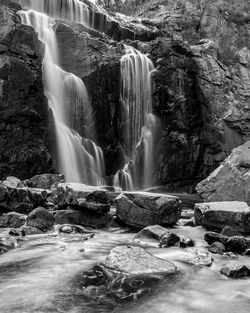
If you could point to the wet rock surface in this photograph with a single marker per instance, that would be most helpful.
(41, 218)
(217, 215)
(235, 270)
(143, 209)
(12, 219)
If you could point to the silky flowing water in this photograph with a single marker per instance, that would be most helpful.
(44, 274)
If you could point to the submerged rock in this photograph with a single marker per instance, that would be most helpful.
(235, 270)
(217, 215)
(12, 219)
(141, 209)
(231, 180)
(41, 218)
(7, 243)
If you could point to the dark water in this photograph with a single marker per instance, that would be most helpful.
(44, 274)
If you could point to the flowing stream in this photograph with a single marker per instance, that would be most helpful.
(79, 158)
(44, 274)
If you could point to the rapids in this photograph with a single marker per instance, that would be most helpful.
(44, 274)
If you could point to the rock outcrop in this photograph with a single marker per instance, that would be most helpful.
(217, 215)
(141, 209)
(24, 111)
(231, 180)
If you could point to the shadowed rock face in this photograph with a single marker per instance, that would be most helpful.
(23, 106)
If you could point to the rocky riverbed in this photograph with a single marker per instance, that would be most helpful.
(77, 250)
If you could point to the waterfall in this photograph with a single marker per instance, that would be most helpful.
(139, 124)
(71, 10)
(80, 160)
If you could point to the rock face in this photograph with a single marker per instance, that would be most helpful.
(231, 180)
(217, 215)
(23, 106)
(200, 85)
(140, 209)
(129, 260)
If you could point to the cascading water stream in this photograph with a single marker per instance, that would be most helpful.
(136, 99)
(79, 159)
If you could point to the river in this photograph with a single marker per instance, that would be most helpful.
(44, 275)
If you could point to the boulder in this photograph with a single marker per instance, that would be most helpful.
(202, 259)
(41, 218)
(217, 215)
(128, 260)
(235, 270)
(141, 209)
(12, 219)
(68, 229)
(77, 195)
(45, 181)
(30, 230)
(231, 180)
(238, 244)
(156, 235)
(229, 232)
(185, 242)
(127, 274)
(217, 247)
(21, 200)
(12, 182)
(77, 217)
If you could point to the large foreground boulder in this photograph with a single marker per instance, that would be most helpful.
(127, 274)
(141, 209)
(231, 180)
(217, 215)
(130, 260)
